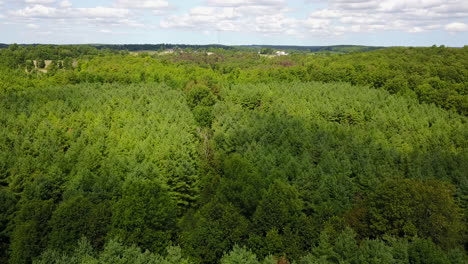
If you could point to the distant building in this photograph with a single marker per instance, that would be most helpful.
(168, 51)
(281, 53)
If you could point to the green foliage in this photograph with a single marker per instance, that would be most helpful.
(200, 95)
(29, 236)
(432, 75)
(114, 253)
(335, 249)
(52, 68)
(239, 255)
(82, 143)
(216, 229)
(267, 51)
(242, 255)
(280, 222)
(344, 249)
(425, 251)
(7, 208)
(277, 155)
(76, 218)
(240, 184)
(203, 115)
(144, 215)
(409, 208)
(29, 65)
(201, 100)
(376, 252)
(41, 64)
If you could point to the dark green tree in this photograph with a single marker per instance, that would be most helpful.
(8, 202)
(424, 251)
(29, 236)
(76, 218)
(411, 208)
(145, 215)
(279, 221)
(40, 64)
(217, 227)
(200, 95)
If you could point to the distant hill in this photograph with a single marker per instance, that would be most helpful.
(154, 47)
(335, 48)
(148, 47)
(151, 47)
(135, 47)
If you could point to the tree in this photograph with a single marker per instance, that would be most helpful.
(200, 95)
(29, 236)
(279, 221)
(67, 63)
(423, 251)
(267, 51)
(29, 65)
(334, 246)
(396, 85)
(203, 115)
(78, 217)
(239, 255)
(114, 253)
(41, 63)
(217, 228)
(145, 215)
(375, 252)
(7, 208)
(410, 208)
(52, 68)
(240, 184)
(242, 255)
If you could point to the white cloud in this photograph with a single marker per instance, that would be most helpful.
(36, 11)
(142, 4)
(326, 13)
(39, 1)
(275, 24)
(412, 16)
(44, 33)
(456, 26)
(416, 30)
(128, 22)
(65, 4)
(317, 24)
(40, 11)
(238, 3)
(264, 16)
(207, 18)
(32, 26)
(101, 12)
(337, 18)
(68, 16)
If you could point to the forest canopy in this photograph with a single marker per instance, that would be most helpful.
(231, 156)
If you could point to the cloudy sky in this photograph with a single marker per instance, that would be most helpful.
(292, 22)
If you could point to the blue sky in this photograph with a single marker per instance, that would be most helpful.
(235, 22)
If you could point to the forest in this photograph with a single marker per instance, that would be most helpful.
(208, 155)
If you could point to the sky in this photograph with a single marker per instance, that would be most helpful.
(236, 22)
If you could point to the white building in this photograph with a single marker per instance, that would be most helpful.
(281, 53)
